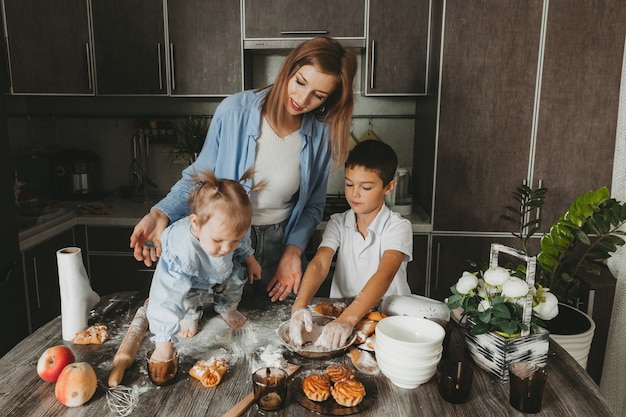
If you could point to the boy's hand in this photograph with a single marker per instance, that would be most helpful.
(334, 335)
(300, 319)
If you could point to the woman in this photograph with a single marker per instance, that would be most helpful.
(288, 131)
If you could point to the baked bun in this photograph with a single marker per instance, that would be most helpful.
(348, 392)
(316, 387)
(339, 372)
(326, 308)
(92, 335)
(209, 372)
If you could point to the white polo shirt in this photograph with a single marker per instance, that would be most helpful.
(358, 257)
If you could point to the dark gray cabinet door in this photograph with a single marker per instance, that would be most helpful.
(397, 48)
(205, 47)
(288, 18)
(488, 78)
(579, 100)
(48, 46)
(129, 39)
(42, 279)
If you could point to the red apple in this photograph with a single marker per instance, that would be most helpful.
(52, 362)
(76, 384)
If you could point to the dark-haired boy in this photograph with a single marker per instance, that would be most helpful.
(373, 246)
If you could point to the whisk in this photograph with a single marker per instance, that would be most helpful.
(121, 399)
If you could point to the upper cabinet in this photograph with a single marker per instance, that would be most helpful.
(49, 47)
(290, 20)
(130, 48)
(204, 47)
(398, 47)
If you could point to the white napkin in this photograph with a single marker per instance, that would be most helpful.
(77, 297)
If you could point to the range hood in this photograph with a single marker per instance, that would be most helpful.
(288, 43)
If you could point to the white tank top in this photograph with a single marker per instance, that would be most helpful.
(277, 162)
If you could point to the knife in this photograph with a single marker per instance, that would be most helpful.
(239, 408)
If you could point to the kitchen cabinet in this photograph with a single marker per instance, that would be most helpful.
(283, 19)
(42, 278)
(111, 264)
(130, 48)
(417, 269)
(504, 119)
(204, 47)
(49, 47)
(398, 47)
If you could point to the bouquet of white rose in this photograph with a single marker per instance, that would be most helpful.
(494, 299)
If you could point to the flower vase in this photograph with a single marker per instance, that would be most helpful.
(494, 353)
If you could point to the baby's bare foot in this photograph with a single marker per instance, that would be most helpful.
(234, 318)
(188, 328)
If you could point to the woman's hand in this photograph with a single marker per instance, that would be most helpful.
(146, 237)
(300, 320)
(288, 274)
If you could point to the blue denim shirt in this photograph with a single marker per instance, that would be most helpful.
(229, 150)
(183, 265)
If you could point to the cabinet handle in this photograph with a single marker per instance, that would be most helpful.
(6, 275)
(172, 66)
(303, 32)
(538, 213)
(36, 281)
(437, 267)
(373, 64)
(88, 66)
(160, 72)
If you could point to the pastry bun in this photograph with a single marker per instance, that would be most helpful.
(338, 372)
(326, 308)
(92, 335)
(348, 392)
(316, 387)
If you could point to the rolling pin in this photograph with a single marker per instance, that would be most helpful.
(127, 351)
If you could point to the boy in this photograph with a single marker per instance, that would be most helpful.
(373, 247)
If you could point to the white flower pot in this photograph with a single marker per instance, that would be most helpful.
(573, 330)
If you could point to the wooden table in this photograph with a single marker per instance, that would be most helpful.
(569, 390)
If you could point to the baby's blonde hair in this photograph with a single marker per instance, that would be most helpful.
(212, 195)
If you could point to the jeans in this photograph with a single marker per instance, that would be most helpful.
(267, 242)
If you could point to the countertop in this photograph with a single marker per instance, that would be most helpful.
(569, 390)
(122, 212)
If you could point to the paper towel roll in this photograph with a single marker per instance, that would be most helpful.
(77, 297)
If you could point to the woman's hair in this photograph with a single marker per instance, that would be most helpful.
(329, 57)
(211, 195)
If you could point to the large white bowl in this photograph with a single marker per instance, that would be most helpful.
(407, 379)
(408, 367)
(416, 306)
(385, 348)
(410, 332)
(405, 350)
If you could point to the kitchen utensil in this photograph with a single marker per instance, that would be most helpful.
(121, 399)
(309, 350)
(416, 306)
(128, 348)
(369, 134)
(400, 199)
(245, 403)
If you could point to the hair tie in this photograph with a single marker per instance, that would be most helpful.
(217, 188)
(200, 183)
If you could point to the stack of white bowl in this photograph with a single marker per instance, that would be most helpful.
(408, 349)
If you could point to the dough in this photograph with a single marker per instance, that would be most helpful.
(92, 335)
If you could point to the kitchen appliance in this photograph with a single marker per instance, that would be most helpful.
(76, 174)
(400, 199)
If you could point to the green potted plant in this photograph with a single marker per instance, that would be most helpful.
(190, 134)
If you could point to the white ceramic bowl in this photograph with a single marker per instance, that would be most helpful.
(407, 379)
(409, 366)
(406, 350)
(410, 332)
(385, 348)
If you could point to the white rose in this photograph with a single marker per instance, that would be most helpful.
(496, 276)
(548, 309)
(466, 283)
(515, 288)
(484, 305)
